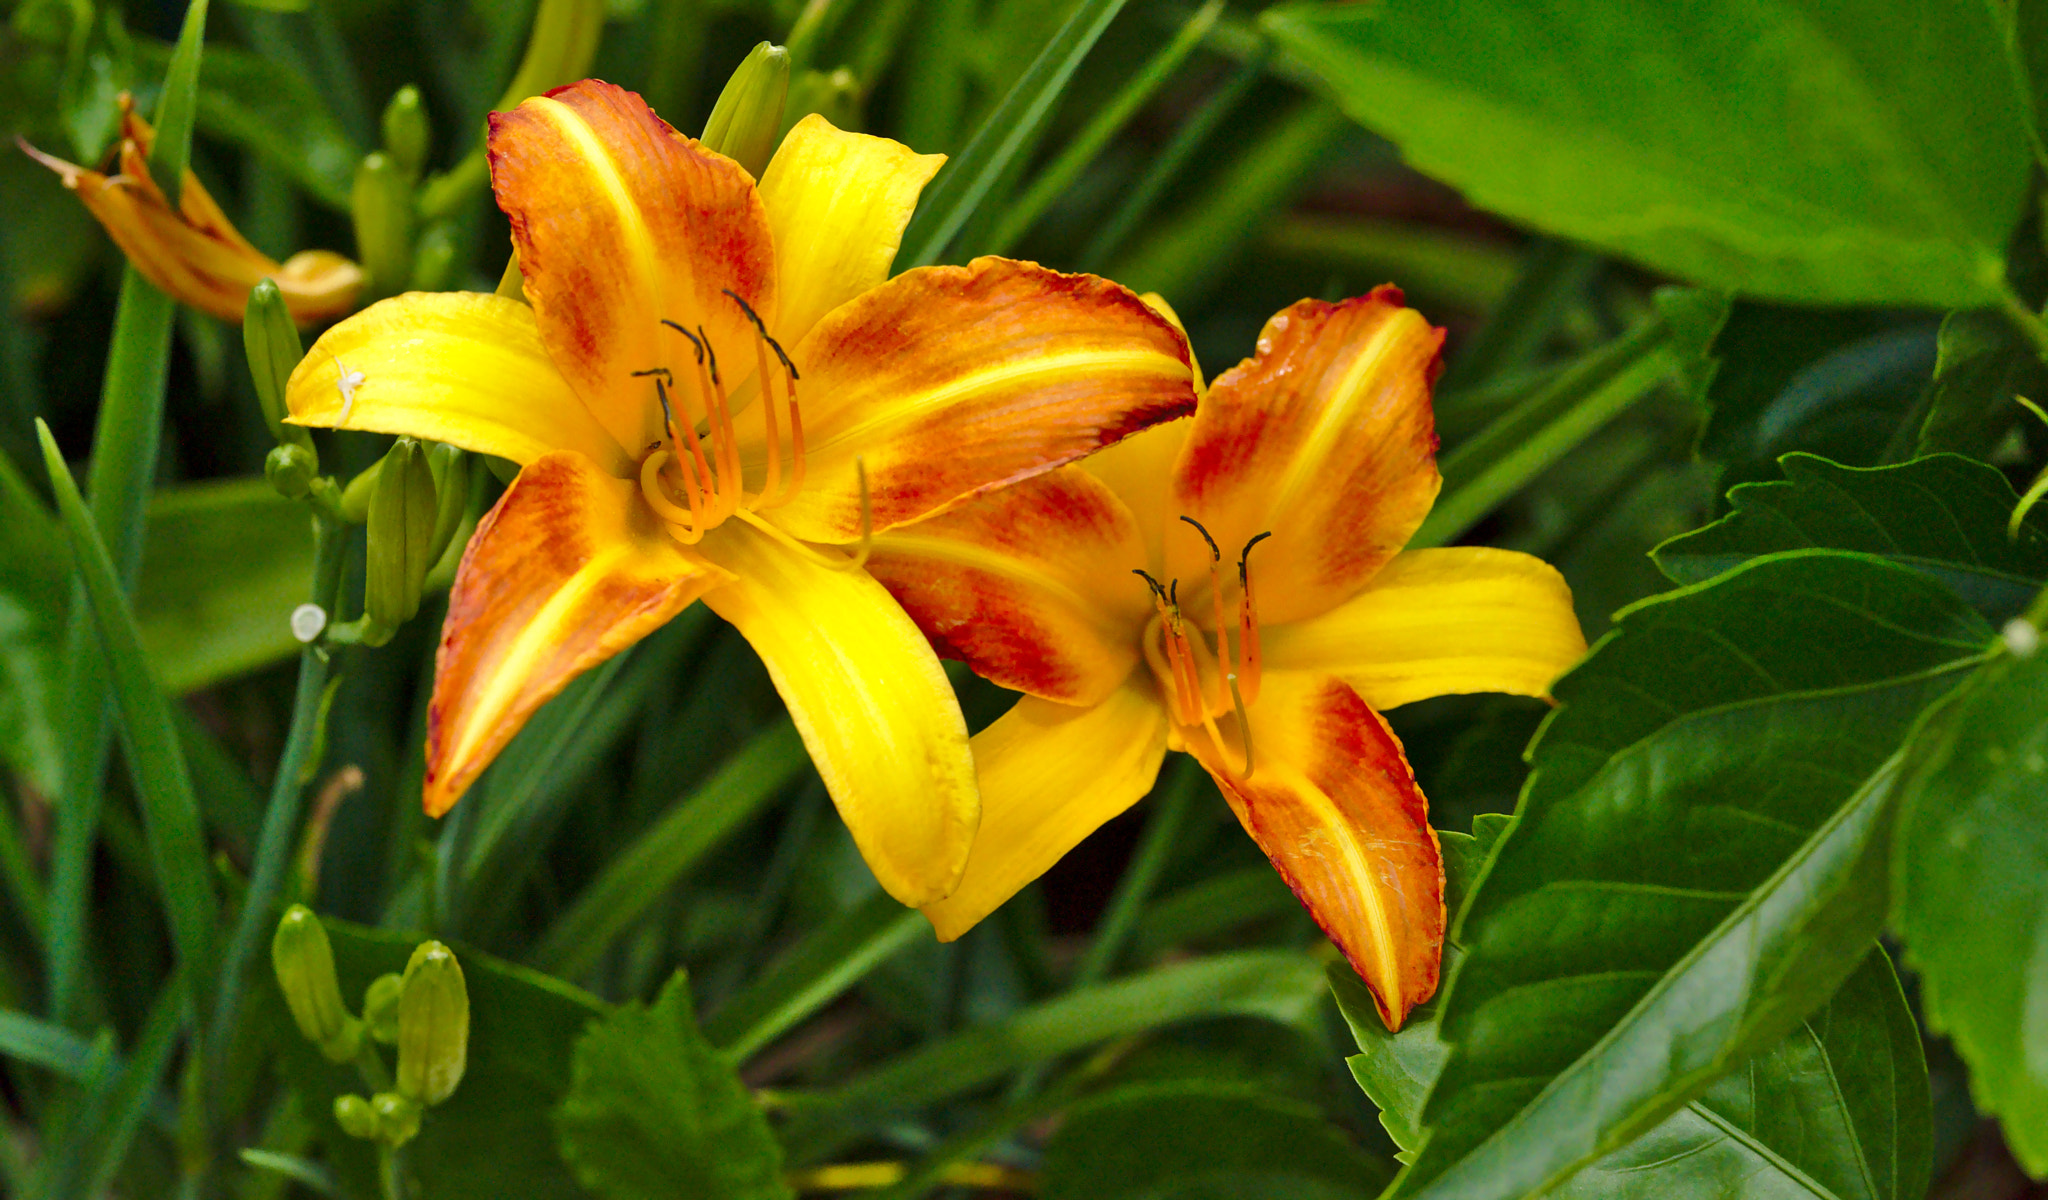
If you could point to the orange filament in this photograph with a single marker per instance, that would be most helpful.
(1251, 664)
(709, 479)
(1239, 667)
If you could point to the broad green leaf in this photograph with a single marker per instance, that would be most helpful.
(1838, 1110)
(656, 1111)
(1697, 862)
(225, 565)
(1971, 873)
(1943, 516)
(1196, 1140)
(1981, 363)
(494, 1137)
(1808, 150)
(267, 106)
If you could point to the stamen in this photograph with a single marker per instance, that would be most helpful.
(699, 487)
(727, 445)
(867, 513)
(1216, 603)
(1250, 661)
(685, 526)
(796, 425)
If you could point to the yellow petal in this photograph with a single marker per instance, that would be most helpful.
(1030, 585)
(1139, 470)
(622, 222)
(1051, 774)
(951, 381)
(837, 204)
(870, 699)
(457, 367)
(1333, 803)
(1326, 439)
(1437, 622)
(569, 569)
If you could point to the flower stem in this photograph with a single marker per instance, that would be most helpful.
(2026, 320)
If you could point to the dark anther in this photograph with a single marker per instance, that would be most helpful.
(1173, 596)
(709, 352)
(1215, 555)
(1151, 583)
(1244, 559)
(667, 414)
(662, 372)
(693, 339)
(762, 328)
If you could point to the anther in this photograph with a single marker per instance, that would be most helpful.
(1215, 555)
(710, 352)
(686, 333)
(1157, 591)
(1250, 660)
(1244, 558)
(661, 372)
(762, 328)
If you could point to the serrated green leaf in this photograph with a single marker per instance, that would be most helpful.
(1186, 1140)
(1798, 149)
(1696, 863)
(656, 1111)
(1943, 516)
(1971, 873)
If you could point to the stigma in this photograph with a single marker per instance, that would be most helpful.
(1203, 683)
(694, 481)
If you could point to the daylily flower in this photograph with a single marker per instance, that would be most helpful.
(1235, 586)
(194, 253)
(651, 394)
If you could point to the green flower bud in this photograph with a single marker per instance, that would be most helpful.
(403, 510)
(836, 97)
(434, 259)
(304, 963)
(356, 1118)
(746, 123)
(398, 1117)
(380, 1007)
(433, 1025)
(504, 470)
(381, 203)
(451, 492)
(290, 468)
(271, 342)
(406, 134)
(355, 498)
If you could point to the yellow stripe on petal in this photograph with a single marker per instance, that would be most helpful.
(457, 367)
(951, 381)
(870, 699)
(837, 204)
(1051, 774)
(1439, 622)
(1333, 803)
(569, 569)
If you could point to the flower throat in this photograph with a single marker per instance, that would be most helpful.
(1182, 651)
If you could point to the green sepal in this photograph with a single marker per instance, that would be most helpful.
(746, 123)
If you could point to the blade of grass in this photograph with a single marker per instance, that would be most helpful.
(1141, 198)
(1456, 270)
(64, 1053)
(124, 453)
(1060, 174)
(965, 181)
(149, 736)
(1553, 275)
(664, 853)
(935, 75)
(814, 972)
(116, 1103)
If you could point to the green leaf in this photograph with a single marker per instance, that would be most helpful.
(1838, 1110)
(1971, 873)
(264, 104)
(1943, 516)
(1805, 150)
(33, 589)
(225, 565)
(655, 1111)
(1008, 131)
(1394, 1069)
(1697, 862)
(494, 1137)
(1196, 1140)
(1981, 363)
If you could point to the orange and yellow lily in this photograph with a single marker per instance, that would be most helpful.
(650, 394)
(1236, 586)
(193, 253)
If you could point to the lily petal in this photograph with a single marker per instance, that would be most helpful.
(1051, 774)
(621, 222)
(1332, 801)
(457, 367)
(1325, 438)
(1030, 585)
(569, 569)
(837, 204)
(951, 381)
(1438, 622)
(1139, 470)
(870, 699)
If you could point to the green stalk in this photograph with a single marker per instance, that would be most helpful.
(123, 467)
(287, 794)
(815, 972)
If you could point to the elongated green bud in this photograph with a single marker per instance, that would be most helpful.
(380, 1007)
(304, 962)
(406, 133)
(355, 498)
(834, 96)
(291, 468)
(433, 1025)
(402, 515)
(356, 1118)
(398, 1117)
(435, 258)
(272, 344)
(381, 202)
(451, 492)
(746, 123)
